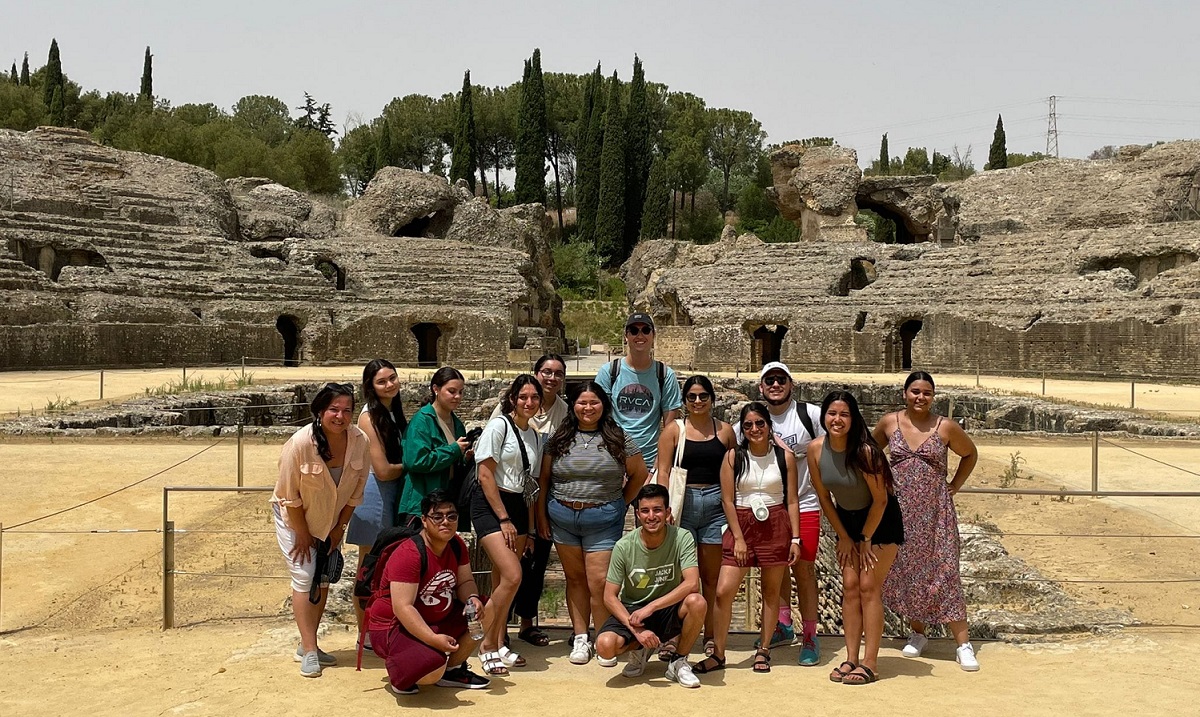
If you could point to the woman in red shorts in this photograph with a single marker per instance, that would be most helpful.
(758, 493)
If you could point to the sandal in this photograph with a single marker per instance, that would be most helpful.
(866, 677)
(493, 664)
(712, 663)
(667, 650)
(762, 660)
(710, 646)
(534, 636)
(839, 674)
(510, 658)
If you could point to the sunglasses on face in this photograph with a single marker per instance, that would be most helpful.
(698, 397)
(635, 330)
(759, 424)
(775, 380)
(442, 517)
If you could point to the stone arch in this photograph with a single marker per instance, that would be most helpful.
(766, 343)
(908, 331)
(288, 327)
(428, 336)
(906, 231)
(335, 274)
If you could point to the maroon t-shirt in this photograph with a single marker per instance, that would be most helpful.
(436, 594)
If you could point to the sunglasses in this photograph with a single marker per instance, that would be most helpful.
(698, 397)
(552, 374)
(634, 330)
(443, 517)
(759, 424)
(775, 380)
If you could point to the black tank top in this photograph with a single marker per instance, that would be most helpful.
(702, 459)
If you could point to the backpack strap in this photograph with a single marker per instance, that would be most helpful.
(782, 462)
(613, 369)
(802, 409)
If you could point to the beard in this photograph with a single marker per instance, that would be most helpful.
(780, 402)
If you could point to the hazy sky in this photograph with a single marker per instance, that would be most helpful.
(931, 74)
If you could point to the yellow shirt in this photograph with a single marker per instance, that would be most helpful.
(304, 480)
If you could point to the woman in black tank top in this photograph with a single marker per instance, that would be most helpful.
(705, 441)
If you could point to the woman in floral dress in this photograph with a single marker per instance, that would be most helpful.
(924, 584)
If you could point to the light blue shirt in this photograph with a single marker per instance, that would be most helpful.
(637, 406)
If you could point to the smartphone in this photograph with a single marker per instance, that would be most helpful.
(472, 436)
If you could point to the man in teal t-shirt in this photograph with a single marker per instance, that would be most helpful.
(653, 591)
(642, 398)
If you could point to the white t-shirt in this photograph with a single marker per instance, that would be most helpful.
(792, 432)
(544, 423)
(494, 444)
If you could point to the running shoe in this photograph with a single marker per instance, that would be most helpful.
(462, 678)
(810, 652)
(326, 659)
(581, 650)
(680, 671)
(966, 658)
(310, 664)
(915, 645)
(783, 635)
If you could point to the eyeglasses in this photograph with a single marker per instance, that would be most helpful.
(776, 380)
(759, 424)
(634, 330)
(698, 397)
(546, 373)
(443, 517)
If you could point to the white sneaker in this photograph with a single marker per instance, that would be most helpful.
(680, 671)
(915, 646)
(606, 661)
(637, 663)
(581, 650)
(966, 658)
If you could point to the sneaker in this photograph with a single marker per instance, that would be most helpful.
(401, 690)
(810, 652)
(680, 671)
(606, 661)
(326, 659)
(310, 664)
(463, 678)
(637, 663)
(966, 658)
(915, 645)
(783, 635)
(581, 650)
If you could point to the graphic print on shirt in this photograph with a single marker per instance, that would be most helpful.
(652, 577)
(635, 401)
(439, 591)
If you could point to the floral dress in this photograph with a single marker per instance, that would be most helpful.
(924, 583)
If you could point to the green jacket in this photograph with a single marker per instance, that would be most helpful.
(428, 459)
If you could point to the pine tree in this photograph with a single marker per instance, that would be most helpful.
(53, 79)
(15, 78)
(884, 163)
(146, 94)
(25, 70)
(56, 108)
(530, 183)
(998, 154)
(655, 210)
(610, 209)
(383, 146)
(463, 155)
(637, 157)
(587, 173)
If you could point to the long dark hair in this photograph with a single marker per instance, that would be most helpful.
(862, 452)
(614, 438)
(520, 382)
(918, 376)
(389, 424)
(441, 377)
(702, 382)
(741, 452)
(320, 402)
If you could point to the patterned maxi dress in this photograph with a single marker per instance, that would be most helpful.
(924, 583)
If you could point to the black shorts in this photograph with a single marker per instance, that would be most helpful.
(891, 526)
(665, 623)
(485, 520)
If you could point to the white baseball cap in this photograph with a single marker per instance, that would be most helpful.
(774, 366)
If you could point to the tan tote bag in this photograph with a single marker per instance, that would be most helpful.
(677, 484)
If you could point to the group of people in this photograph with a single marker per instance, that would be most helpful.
(712, 500)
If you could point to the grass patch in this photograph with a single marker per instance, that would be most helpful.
(58, 404)
(595, 322)
(201, 385)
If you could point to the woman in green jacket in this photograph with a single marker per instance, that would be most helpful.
(434, 444)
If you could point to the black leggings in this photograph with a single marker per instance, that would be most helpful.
(533, 579)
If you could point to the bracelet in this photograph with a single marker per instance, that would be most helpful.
(506, 520)
(473, 595)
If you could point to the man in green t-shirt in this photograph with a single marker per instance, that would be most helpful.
(653, 591)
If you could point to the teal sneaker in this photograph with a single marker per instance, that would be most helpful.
(783, 635)
(810, 652)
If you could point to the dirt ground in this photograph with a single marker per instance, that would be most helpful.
(81, 611)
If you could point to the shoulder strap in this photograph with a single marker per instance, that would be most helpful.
(661, 368)
(520, 443)
(779, 459)
(680, 441)
(802, 409)
(613, 369)
(420, 543)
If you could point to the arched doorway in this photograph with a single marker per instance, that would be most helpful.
(908, 331)
(428, 335)
(767, 344)
(288, 327)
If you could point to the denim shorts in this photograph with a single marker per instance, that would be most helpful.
(702, 514)
(593, 529)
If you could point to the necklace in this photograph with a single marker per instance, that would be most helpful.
(591, 437)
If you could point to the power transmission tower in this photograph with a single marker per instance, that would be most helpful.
(1052, 129)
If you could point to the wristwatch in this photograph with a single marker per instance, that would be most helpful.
(795, 541)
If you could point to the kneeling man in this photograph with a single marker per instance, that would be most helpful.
(653, 591)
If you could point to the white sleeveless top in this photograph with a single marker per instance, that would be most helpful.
(761, 478)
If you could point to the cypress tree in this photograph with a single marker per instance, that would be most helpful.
(53, 79)
(15, 78)
(637, 157)
(884, 163)
(655, 212)
(610, 209)
(56, 108)
(462, 155)
(998, 154)
(383, 146)
(587, 173)
(530, 184)
(147, 92)
(25, 70)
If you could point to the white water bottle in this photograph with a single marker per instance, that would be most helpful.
(474, 624)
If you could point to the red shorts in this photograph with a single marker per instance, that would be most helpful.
(768, 542)
(408, 659)
(810, 534)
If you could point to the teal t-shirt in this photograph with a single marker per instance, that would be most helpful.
(638, 407)
(646, 575)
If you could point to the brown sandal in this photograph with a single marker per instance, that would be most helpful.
(712, 663)
(866, 677)
(667, 650)
(762, 660)
(839, 674)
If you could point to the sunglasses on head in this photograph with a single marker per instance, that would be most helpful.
(747, 425)
(339, 387)
(775, 380)
(641, 329)
(443, 517)
(698, 397)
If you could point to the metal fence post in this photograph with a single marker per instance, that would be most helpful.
(243, 369)
(168, 586)
(1095, 461)
(240, 453)
(185, 375)
(976, 375)
(1, 576)
(101, 384)
(1131, 384)
(1043, 383)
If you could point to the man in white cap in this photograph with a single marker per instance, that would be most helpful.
(645, 393)
(796, 425)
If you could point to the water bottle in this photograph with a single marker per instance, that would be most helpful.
(474, 624)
